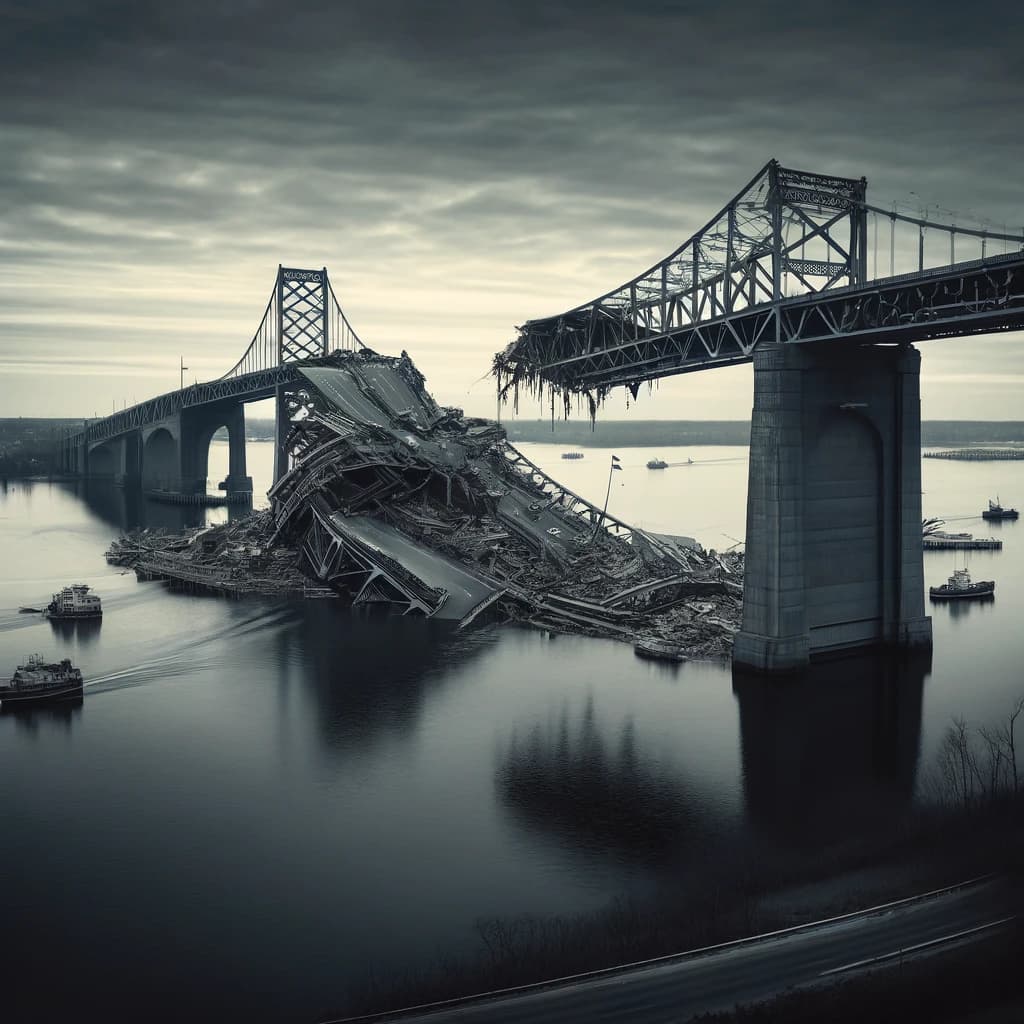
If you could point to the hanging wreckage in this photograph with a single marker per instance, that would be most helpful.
(392, 499)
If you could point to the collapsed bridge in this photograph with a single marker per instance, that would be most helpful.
(394, 500)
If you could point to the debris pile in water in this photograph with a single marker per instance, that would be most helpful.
(392, 499)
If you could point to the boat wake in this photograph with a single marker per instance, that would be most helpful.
(186, 657)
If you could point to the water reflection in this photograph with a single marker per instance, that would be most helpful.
(84, 632)
(962, 608)
(369, 672)
(832, 751)
(39, 718)
(128, 508)
(565, 778)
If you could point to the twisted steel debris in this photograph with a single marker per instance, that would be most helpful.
(394, 500)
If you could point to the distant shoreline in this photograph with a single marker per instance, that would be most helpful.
(582, 434)
(681, 433)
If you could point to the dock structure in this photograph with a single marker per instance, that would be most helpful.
(199, 498)
(961, 544)
(977, 454)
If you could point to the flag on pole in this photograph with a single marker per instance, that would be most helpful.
(615, 458)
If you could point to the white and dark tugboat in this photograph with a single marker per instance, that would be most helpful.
(41, 682)
(959, 585)
(996, 511)
(74, 602)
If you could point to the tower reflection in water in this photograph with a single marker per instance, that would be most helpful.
(592, 788)
(832, 753)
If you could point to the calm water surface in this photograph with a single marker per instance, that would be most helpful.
(259, 802)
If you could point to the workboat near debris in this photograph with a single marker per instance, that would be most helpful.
(74, 602)
(657, 464)
(653, 647)
(960, 585)
(40, 682)
(996, 511)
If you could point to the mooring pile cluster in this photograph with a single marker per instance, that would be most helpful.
(392, 499)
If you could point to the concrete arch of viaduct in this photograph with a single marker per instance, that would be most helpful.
(176, 450)
(118, 459)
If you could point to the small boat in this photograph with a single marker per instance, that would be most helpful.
(657, 464)
(26, 610)
(39, 682)
(572, 455)
(996, 511)
(74, 602)
(662, 650)
(960, 585)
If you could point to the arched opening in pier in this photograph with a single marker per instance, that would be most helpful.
(256, 438)
(102, 462)
(843, 528)
(160, 462)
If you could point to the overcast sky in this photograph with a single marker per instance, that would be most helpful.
(459, 168)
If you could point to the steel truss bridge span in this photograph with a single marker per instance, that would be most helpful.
(785, 262)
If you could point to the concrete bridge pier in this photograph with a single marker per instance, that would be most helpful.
(282, 426)
(176, 450)
(75, 454)
(833, 553)
(237, 481)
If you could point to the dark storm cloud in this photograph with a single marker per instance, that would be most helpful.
(449, 161)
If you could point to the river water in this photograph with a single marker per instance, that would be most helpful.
(259, 803)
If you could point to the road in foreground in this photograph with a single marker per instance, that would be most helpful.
(675, 990)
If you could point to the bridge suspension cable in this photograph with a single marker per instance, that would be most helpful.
(303, 320)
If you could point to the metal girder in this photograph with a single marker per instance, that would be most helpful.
(785, 261)
(339, 558)
(975, 298)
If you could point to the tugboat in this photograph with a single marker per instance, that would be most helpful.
(960, 585)
(74, 602)
(657, 649)
(572, 455)
(996, 511)
(657, 464)
(39, 682)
